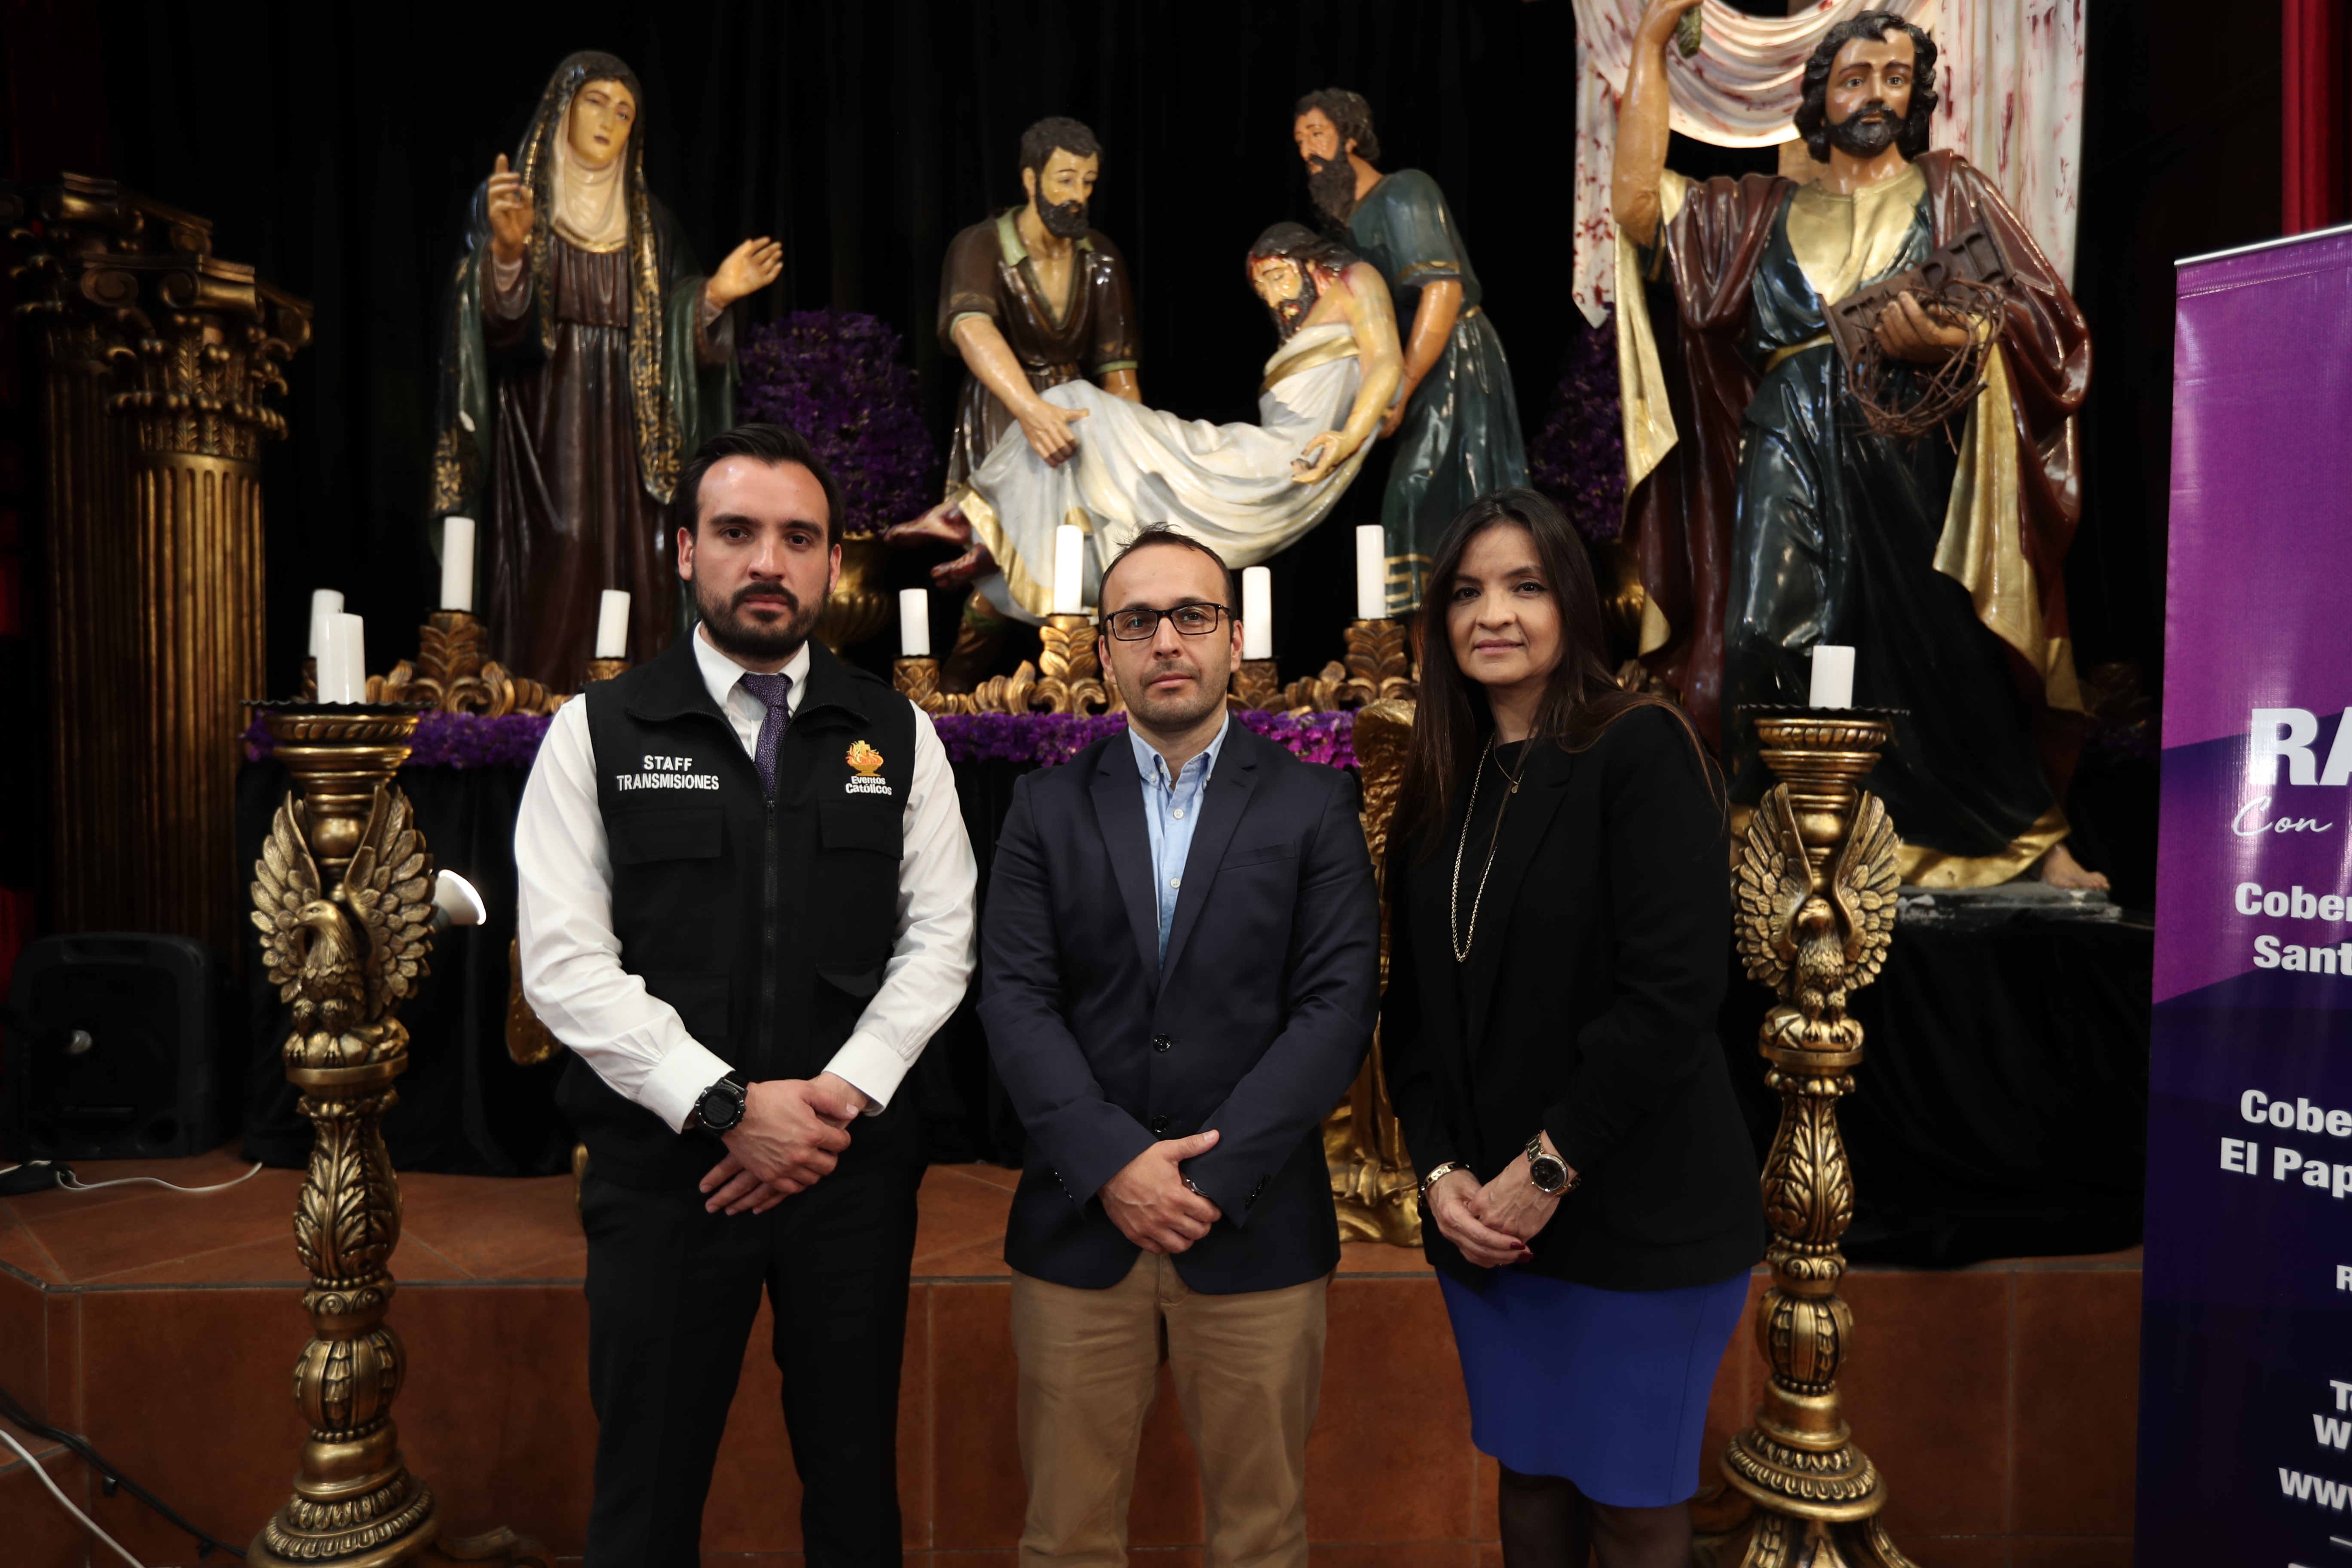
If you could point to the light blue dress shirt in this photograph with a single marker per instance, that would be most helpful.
(1171, 809)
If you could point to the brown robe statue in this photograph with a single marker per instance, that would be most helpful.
(1942, 560)
(988, 273)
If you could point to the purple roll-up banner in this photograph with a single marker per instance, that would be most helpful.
(2246, 1413)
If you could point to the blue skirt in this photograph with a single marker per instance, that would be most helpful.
(1608, 1388)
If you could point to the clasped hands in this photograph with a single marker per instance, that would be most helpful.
(1492, 1224)
(1151, 1204)
(793, 1132)
(749, 267)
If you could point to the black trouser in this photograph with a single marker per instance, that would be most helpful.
(672, 1293)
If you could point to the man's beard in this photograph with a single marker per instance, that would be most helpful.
(1863, 137)
(1170, 711)
(1290, 314)
(733, 632)
(1065, 220)
(1332, 185)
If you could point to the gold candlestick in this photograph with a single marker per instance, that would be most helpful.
(450, 675)
(1815, 891)
(1378, 664)
(1258, 684)
(1069, 669)
(607, 669)
(344, 896)
(917, 680)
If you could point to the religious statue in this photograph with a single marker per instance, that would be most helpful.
(1031, 298)
(1455, 422)
(1777, 518)
(1247, 490)
(584, 354)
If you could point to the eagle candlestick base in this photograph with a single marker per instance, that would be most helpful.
(342, 896)
(1814, 916)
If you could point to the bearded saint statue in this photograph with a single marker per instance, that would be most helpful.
(583, 353)
(1767, 517)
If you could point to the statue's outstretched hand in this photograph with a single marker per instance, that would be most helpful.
(513, 213)
(1657, 24)
(1319, 456)
(749, 267)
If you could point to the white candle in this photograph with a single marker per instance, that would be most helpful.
(1833, 677)
(342, 659)
(324, 602)
(458, 563)
(1371, 575)
(1069, 570)
(1258, 613)
(612, 626)
(914, 623)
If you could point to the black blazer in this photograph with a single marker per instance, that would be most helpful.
(1256, 1025)
(1586, 1007)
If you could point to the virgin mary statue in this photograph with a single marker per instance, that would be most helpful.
(583, 354)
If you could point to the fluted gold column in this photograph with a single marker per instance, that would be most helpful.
(157, 356)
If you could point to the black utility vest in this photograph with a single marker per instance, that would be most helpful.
(767, 925)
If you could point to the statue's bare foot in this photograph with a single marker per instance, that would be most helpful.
(943, 524)
(975, 561)
(2060, 869)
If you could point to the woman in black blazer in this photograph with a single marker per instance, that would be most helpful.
(1561, 942)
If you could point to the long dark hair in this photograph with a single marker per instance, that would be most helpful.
(1581, 699)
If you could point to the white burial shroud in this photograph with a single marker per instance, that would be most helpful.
(1228, 486)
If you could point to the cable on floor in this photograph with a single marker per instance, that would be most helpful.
(42, 1474)
(110, 1478)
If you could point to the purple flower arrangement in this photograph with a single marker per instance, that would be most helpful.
(1577, 458)
(449, 741)
(840, 379)
(1049, 739)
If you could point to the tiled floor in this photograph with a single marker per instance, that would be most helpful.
(2000, 1400)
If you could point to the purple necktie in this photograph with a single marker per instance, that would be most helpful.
(773, 691)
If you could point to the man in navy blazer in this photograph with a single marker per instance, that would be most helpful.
(1180, 972)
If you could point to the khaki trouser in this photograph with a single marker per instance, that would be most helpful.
(1247, 1368)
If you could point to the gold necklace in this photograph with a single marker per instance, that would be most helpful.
(1454, 904)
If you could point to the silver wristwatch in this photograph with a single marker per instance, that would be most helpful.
(1549, 1171)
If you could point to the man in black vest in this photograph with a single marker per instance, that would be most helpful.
(745, 903)
(1183, 973)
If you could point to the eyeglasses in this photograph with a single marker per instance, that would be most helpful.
(1138, 625)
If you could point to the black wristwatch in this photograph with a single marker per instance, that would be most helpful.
(720, 1109)
(1548, 1170)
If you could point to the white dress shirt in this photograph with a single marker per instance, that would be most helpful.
(572, 973)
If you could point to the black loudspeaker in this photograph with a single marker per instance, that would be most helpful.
(112, 1049)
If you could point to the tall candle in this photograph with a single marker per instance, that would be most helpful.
(612, 626)
(324, 602)
(458, 563)
(1258, 613)
(1371, 575)
(914, 623)
(1833, 677)
(342, 659)
(1069, 570)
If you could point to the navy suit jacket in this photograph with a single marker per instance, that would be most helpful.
(1255, 1026)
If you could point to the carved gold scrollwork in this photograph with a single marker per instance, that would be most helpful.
(1069, 668)
(1379, 663)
